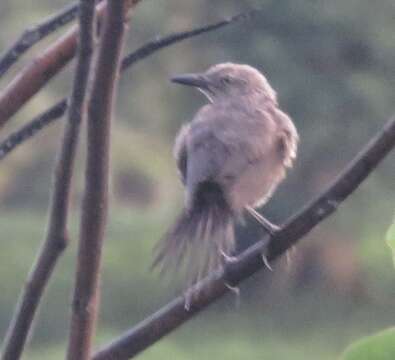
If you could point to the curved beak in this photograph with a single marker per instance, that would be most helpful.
(196, 80)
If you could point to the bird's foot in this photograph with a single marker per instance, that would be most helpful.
(236, 291)
(289, 254)
(187, 300)
(190, 295)
(271, 228)
(227, 258)
(266, 262)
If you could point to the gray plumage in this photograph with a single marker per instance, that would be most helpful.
(230, 157)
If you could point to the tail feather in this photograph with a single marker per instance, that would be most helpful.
(199, 236)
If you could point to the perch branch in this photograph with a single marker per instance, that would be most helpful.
(57, 237)
(32, 36)
(95, 203)
(36, 74)
(250, 261)
(56, 111)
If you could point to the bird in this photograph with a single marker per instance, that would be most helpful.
(230, 159)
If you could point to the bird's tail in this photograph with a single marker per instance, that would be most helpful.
(199, 237)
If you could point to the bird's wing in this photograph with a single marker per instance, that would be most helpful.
(180, 152)
(288, 138)
(206, 154)
(198, 147)
(221, 144)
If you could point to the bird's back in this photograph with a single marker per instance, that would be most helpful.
(244, 149)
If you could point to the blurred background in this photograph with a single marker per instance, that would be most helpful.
(332, 63)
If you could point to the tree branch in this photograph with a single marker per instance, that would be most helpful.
(57, 237)
(36, 74)
(33, 35)
(56, 111)
(32, 128)
(250, 261)
(162, 42)
(94, 208)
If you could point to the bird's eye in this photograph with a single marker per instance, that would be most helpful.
(227, 80)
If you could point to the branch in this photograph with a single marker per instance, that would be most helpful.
(57, 237)
(36, 74)
(33, 35)
(250, 261)
(94, 208)
(161, 42)
(29, 130)
(148, 49)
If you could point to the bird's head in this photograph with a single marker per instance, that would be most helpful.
(222, 82)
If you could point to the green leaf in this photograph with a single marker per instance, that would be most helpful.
(380, 346)
(391, 240)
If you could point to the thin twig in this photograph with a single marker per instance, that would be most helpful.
(250, 261)
(39, 71)
(33, 35)
(161, 42)
(148, 49)
(94, 208)
(57, 237)
(29, 130)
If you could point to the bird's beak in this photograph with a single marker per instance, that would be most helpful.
(197, 80)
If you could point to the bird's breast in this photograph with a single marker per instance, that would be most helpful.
(256, 183)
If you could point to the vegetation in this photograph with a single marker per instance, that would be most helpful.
(332, 65)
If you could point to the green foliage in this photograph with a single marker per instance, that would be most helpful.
(380, 346)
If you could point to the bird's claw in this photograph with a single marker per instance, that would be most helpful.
(187, 300)
(289, 254)
(236, 291)
(266, 262)
(227, 258)
(271, 228)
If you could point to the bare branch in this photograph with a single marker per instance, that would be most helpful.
(29, 130)
(56, 111)
(94, 208)
(250, 261)
(162, 42)
(55, 243)
(36, 74)
(57, 237)
(33, 35)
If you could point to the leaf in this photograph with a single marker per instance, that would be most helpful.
(391, 240)
(380, 346)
